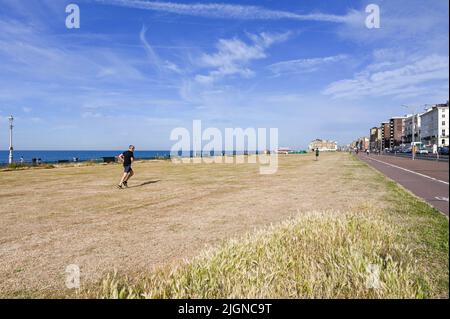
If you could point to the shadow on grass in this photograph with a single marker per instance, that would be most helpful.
(145, 183)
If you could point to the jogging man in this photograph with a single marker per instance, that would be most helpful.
(317, 154)
(127, 158)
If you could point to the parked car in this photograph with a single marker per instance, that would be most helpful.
(407, 150)
(443, 150)
(422, 151)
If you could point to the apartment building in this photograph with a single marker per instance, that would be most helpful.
(396, 129)
(412, 124)
(362, 143)
(385, 135)
(375, 138)
(435, 126)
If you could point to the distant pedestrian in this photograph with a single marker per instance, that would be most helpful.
(367, 152)
(22, 160)
(317, 154)
(435, 149)
(127, 158)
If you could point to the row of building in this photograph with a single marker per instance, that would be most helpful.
(430, 129)
(323, 145)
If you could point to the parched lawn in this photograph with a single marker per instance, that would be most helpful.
(326, 254)
(313, 230)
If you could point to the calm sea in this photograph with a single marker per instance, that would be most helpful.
(55, 156)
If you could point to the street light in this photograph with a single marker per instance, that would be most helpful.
(415, 115)
(11, 119)
(413, 145)
(435, 150)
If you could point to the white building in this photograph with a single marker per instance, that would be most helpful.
(323, 145)
(434, 126)
(409, 127)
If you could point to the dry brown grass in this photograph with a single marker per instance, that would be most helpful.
(74, 215)
(316, 255)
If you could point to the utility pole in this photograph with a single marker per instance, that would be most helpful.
(11, 149)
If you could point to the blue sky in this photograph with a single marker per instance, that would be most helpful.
(137, 69)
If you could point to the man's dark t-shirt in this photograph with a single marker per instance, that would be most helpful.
(127, 158)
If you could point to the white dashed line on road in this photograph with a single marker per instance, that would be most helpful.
(407, 170)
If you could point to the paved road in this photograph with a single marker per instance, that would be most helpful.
(426, 179)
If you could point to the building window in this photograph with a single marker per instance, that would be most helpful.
(443, 122)
(443, 132)
(443, 142)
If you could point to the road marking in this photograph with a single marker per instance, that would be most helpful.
(409, 171)
(442, 199)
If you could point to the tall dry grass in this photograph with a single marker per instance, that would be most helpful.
(317, 255)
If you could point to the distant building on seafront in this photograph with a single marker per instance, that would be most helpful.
(362, 144)
(430, 128)
(323, 145)
(385, 135)
(283, 150)
(412, 124)
(434, 126)
(375, 139)
(396, 126)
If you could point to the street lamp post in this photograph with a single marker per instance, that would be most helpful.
(11, 149)
(414, 117)
(413, 138)
(413, 145)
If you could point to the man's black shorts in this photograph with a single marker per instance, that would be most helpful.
(127, 169)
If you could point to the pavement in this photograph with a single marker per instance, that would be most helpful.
(426, 179)
(429, 157)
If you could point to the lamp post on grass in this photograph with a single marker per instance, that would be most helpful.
(11, 149)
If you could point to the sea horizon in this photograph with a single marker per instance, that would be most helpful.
(53, 156)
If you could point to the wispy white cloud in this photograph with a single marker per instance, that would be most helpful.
(225, 11)
(304, 65)
(36, 119)
(154, 58)
(80, 82)
(91, 115)
(413, 78)
(402, 21)
(233, 56)
(26, 52)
